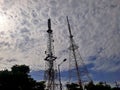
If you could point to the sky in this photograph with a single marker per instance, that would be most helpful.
(95, 25)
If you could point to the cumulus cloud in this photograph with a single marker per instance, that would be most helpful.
(94, 23)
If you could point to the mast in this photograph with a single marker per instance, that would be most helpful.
(73, 47)
(50, 73)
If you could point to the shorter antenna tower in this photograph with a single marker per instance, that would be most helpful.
(50, 74)
(78, 72)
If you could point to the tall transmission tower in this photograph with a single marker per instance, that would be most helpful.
(78, 72)
(50, 73)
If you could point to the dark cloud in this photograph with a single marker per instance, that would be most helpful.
(24, 30)
(11, 60)
(35, 22)
(1, 58)
(75, 3)
(25, 23)
(34, 14)
(92, 58)
(25, 44)
(4, 44)
(7, 4)
(24, 13)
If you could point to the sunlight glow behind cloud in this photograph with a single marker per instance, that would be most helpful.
(95, 25)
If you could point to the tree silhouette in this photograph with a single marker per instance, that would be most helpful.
(18, 79)
(73, 86)
(99, 86)
(20, 68)
(115, 88)
(102, 86)
(90, 86)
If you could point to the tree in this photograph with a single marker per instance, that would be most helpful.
(73, 86)
(90, 86)
(115, 88)
(102, 86)
(18, 79)
(40, 85)
(20, 68)
(5, 80)
(99, 86)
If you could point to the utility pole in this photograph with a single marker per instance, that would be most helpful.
(76, 61)
(50, 73)
(60, 74)
(59, 77)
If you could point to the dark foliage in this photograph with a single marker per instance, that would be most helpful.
(91, 86)
(73, 86)
(115, 88)
(18, 79)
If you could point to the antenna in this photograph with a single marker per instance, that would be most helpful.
(69, 27)
(50, 74)
(77, 66)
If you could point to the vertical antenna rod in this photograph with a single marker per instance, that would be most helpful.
(49, 25)
(74, 55)
(71, 36)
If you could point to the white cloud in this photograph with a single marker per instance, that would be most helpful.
(95, 26)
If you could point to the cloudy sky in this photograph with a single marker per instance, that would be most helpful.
(95, 26)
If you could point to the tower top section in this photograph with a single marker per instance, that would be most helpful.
(49, 26)
(50, 46)
(71, 36)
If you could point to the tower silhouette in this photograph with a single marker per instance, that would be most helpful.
(78, 72)
(50, 74)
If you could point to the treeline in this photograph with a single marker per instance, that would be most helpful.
(19, 79)
(92, 86)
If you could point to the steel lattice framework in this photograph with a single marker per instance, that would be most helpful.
(50, 74)
(78, 72)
